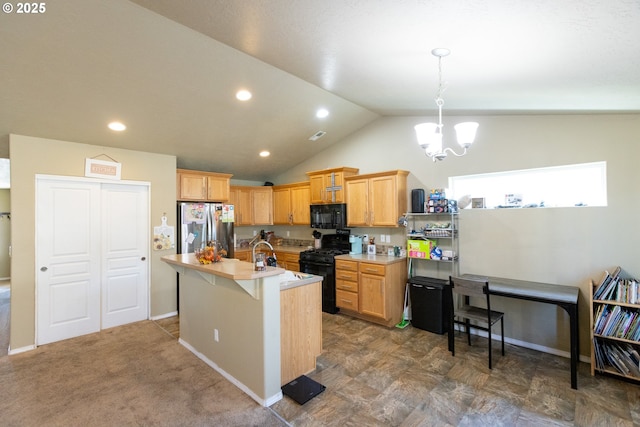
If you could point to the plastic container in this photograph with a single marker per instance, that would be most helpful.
(430, 303)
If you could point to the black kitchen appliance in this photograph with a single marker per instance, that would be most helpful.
(321, 262)
(417, 200)
(333, 215)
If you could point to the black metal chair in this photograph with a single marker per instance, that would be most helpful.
(466, 312)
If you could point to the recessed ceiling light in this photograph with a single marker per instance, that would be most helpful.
(322, 113)
(243, 95)
(265, 153)
(117, 126)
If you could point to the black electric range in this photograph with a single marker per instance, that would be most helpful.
(321, 262)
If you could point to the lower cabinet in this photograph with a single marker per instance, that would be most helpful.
(243, 255)
(347, 284)
(288, 260)
(371, 291)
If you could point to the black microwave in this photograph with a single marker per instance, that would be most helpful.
(329, 216)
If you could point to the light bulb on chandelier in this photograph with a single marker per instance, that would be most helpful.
(430, 134)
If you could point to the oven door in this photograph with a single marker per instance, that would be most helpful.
(327, 271)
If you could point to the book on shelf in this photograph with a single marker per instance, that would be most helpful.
(617, 322)
(613, 287)
(607, 282)
(621, 357)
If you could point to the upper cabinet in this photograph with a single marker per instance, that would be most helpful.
(252, 205)
(291, 204)
(327, 185)
(202, 186)
(376, 200)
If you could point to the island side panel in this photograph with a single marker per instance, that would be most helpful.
(248, 329)
(301, 330)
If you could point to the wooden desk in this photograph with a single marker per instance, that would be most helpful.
(562, 296)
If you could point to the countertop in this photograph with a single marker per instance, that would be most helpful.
(375, 259)
(291, 249)
(229, 267)
(234, 269)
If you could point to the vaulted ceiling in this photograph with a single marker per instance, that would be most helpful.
(169, 69)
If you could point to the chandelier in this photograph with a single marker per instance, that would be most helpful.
(430, 134)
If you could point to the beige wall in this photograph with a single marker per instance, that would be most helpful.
(557, 245)
(31, 156)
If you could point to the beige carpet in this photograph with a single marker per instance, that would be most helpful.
(132, 375)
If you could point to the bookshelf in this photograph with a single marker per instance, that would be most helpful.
(615, 326)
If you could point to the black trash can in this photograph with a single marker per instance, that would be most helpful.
(430, 303)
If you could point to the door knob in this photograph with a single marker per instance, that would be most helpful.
(43, 268)
(143, 258)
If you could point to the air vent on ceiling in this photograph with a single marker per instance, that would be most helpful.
(316, 136)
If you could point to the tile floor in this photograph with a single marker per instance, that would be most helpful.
(377, 376)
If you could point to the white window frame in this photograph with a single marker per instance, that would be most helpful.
(583, 184)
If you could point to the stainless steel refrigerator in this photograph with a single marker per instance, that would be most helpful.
(201, 224)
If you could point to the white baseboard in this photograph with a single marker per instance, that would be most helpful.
(525, 344)
(264, 402)
(164, 316)
(11, 351)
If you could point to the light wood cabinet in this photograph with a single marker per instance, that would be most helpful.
(252, 205)
(327, 186)
(243, 255)
(288, 260)
(347, 284)
(262, 205)
(371, 291)
(291, 204)
(376, 200)
(300, 330)
(202, 186)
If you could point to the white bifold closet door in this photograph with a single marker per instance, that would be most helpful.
(92, 241)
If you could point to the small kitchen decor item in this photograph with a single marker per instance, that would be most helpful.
(163, 235)
(371, 249)
(261, 264)
(95, 168)
(209, 254)
(513, 199)
(477, 203)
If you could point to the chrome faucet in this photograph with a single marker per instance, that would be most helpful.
(261, 242)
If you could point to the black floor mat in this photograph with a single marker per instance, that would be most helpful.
(302, 389)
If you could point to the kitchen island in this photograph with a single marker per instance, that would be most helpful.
(253, 327)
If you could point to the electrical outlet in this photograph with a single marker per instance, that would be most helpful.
(382, 238)
(255, 232)
(388, 238)
(288, 233)
(216, 336)
(365, 238)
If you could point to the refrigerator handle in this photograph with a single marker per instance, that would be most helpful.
(209, 233)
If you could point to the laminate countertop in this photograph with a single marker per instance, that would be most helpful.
(374, 259)
(289, 249)
(234, 269)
